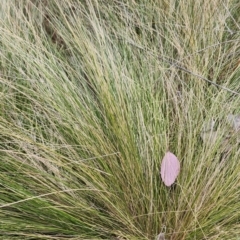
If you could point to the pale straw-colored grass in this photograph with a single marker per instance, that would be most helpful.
(92, 95)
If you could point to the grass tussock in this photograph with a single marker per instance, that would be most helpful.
(92, 95)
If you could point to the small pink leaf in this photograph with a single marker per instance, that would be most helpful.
(170, 168)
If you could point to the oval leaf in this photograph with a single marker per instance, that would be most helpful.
(170, 168)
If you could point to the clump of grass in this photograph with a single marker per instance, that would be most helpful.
(93, 94)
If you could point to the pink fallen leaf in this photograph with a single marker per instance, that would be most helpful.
(170, 168)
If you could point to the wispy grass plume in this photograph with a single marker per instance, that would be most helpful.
(92, 96)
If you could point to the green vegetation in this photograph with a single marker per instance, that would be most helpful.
(93, 94)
